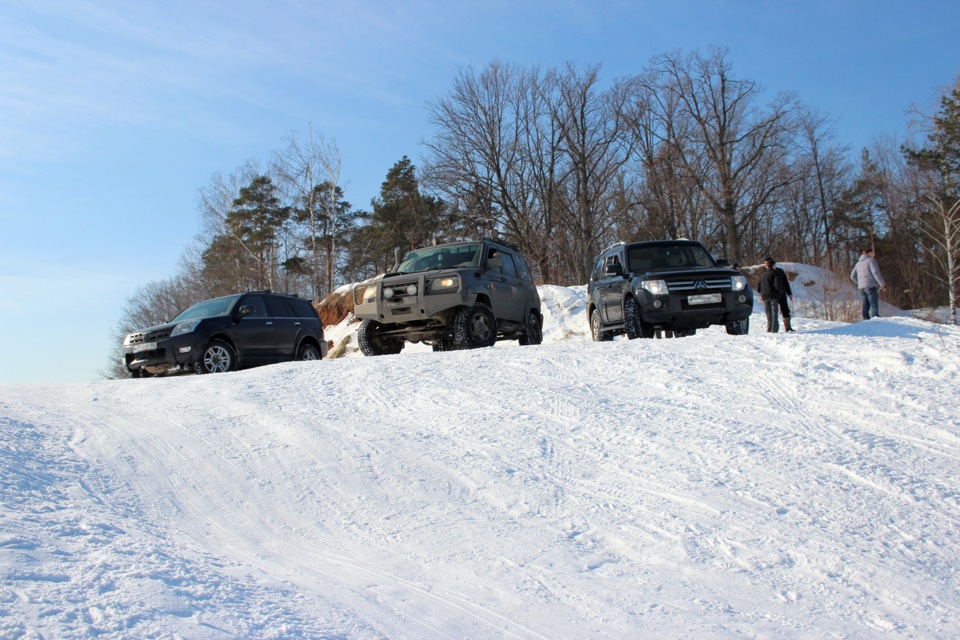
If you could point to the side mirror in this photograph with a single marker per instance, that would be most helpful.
(494, 263)
(723, 262)
(614, 269)
(245, 310)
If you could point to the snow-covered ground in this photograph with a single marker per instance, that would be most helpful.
(762, 486)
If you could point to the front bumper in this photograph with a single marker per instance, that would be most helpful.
(408, 309)
(169, 354)
(677, 312)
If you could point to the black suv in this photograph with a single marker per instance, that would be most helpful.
(666, 288)
(460, 295)
(225, 334)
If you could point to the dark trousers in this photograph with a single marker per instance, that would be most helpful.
(784, 308)
(772, 307)
(871, 303)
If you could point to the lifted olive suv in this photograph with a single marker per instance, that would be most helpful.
(461, 295)
(665, 288)
(228, 333)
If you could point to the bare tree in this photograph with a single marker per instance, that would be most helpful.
(731, 148)
(309, 170)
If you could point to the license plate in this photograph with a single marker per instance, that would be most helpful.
(706, 298)
(146, 346)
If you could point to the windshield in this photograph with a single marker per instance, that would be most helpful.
(646, 258)
(208, 309)
(446, 257)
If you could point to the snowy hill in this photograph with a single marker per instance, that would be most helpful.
(787, 486)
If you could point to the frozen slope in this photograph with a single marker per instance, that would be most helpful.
(787, 486)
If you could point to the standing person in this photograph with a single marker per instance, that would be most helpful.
(783, 283)
(866, 275)
(770, 293)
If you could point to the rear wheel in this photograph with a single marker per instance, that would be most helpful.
(444, 344)
(373, 343)
(217, 357)
(596, 330)
(532, 331)
(475, 327)
(308, 351)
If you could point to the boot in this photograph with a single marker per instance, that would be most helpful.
(786, 325)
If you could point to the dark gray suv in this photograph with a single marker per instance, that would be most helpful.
(460, 295)
(228, 333)
(665, 288)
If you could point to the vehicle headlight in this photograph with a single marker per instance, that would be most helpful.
(445, 284)
(364, 293)
(739, 283)
(656, 287)
(184, 327)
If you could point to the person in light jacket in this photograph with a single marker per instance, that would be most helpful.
(866, 275)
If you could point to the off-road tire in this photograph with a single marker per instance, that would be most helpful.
(218, 356)
(633, 324)
(474, 327)
(739, 327)
(532, 330)
(444, 344)
(598, 334)
(372, 343)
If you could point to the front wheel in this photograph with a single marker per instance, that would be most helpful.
(218, 356)
(373, 343)
(634, 325)
(739, 327)
(532, 331)
(475, 327)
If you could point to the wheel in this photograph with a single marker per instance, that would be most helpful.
(598, 334)
(374, 344)
(739, 327)
(532, 331)
(633, 323)
(474, 327)
(217, 357)
(445, 344)
(308, 351)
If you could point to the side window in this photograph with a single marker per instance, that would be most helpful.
(509, 267)
(277, 308)
(259, 308)
(493, 253)
(522, 269)
(597, 269)
(302, 308)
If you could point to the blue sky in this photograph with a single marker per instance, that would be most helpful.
(113, 114)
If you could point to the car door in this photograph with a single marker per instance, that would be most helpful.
(610, 288)
(286, 327)
(255, 334)
(498, 288)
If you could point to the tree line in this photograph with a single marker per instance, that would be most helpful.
(563, 165)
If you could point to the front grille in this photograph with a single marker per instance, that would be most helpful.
(698, 285)
(148, 336)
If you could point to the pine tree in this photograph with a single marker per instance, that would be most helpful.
(255, 220)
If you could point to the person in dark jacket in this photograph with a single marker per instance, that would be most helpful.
(784, 285)
(771, 290)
